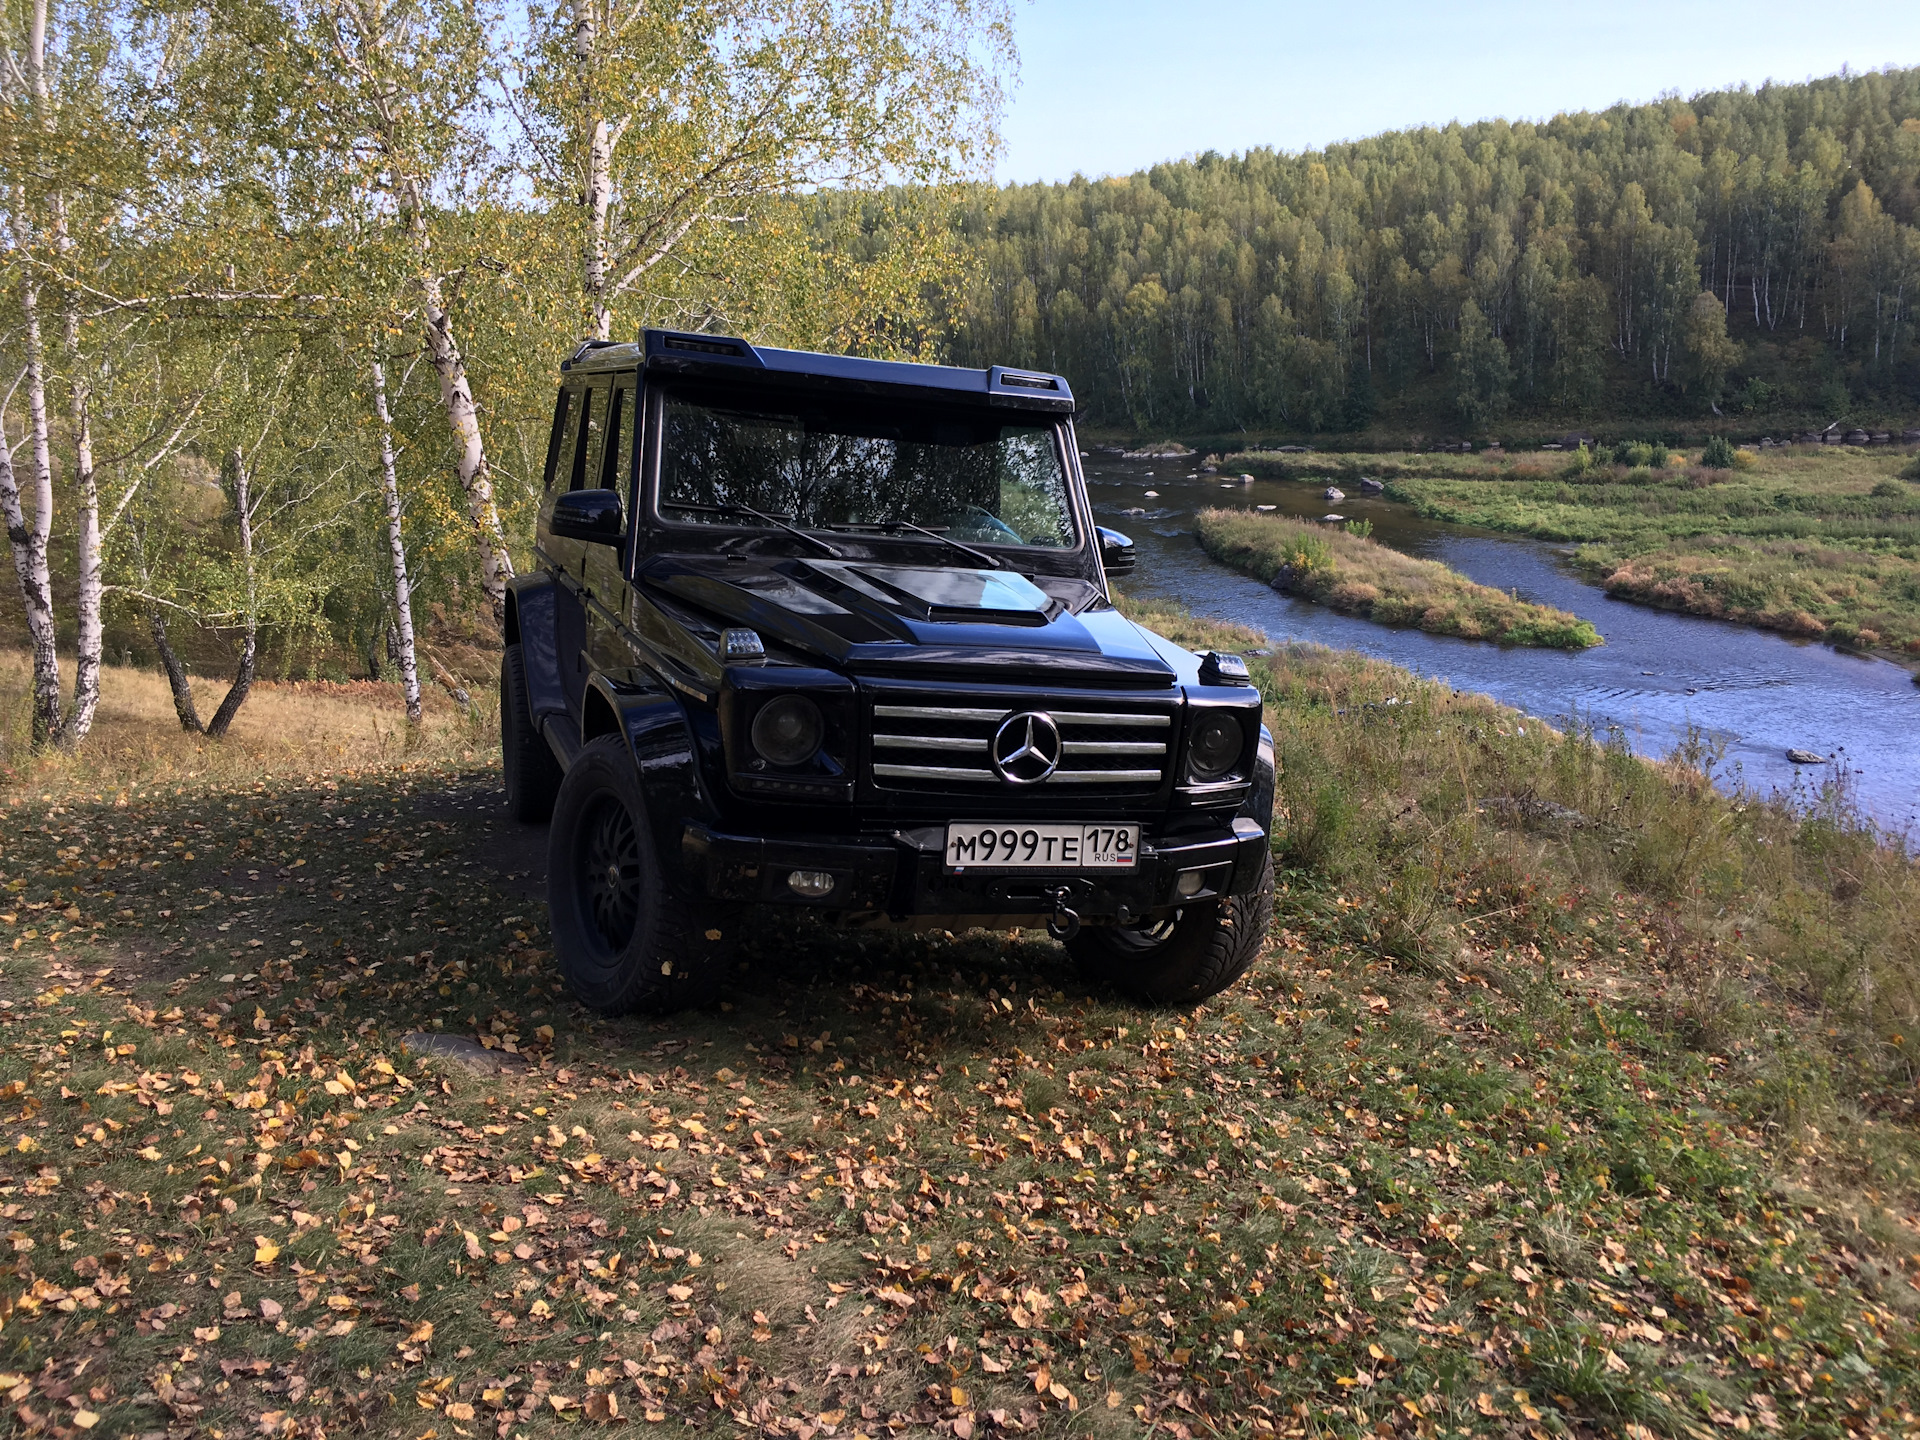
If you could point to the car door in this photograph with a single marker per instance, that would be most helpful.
(606, 565)
(582, 455)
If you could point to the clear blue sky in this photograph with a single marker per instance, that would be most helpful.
(1110, 86)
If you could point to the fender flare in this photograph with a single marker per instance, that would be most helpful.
(664, 740)
(1258, 806)
(529, 623)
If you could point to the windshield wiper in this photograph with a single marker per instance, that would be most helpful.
(982, 556)
(731, 508)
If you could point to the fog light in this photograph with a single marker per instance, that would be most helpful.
(1191, 882)
(811, 883)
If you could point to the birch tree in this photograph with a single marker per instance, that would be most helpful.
(396, 544)
(405, 77)
(86, 234)
(365, 114)
(660, 128)
(31, 111)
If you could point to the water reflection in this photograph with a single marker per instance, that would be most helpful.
(1756, 693)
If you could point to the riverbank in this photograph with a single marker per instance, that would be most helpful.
(1358, 576)
(1821, 542)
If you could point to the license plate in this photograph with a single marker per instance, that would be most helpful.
(1041, 847)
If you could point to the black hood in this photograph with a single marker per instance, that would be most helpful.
(868, 617)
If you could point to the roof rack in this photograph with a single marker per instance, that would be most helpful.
(584, 349)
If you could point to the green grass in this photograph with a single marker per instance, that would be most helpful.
(1571, 1095)
(1357, 575)
(1817, 541)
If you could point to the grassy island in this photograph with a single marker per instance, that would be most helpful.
(1820, 541)
(1359, 576)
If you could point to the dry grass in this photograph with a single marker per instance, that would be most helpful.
(287, 729)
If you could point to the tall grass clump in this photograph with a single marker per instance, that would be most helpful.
(1355, 574)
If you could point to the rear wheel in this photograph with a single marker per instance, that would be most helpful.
(527, 766)
(1196, 952)
(625, 937)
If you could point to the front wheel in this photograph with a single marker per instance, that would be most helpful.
(1195, 953)
(625, 936)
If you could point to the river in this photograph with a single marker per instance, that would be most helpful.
(1754, 692)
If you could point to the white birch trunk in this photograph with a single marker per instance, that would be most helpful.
(598, 192)
(249, 640)
(463, 416)
(396, 549)
(456, 390)
(29, 538)
(87, 602)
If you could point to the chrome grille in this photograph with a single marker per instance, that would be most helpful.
(948, 747)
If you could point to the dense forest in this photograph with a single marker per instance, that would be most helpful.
(1751, 253)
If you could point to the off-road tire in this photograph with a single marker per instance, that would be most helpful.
(625, 936)
(527, 766)
(1199, 952)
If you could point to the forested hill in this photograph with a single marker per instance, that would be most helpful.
(1750, 251)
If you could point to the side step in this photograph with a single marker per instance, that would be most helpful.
(563, 738)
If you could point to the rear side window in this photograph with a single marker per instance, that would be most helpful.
(619, 448)
(589, 450)
(566, 416)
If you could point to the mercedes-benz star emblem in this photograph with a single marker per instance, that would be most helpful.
(1026, 747)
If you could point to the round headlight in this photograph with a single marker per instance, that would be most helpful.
(1216, 744)
(788, 730)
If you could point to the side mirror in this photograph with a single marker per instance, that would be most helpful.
(590, 515)
(1116, 551)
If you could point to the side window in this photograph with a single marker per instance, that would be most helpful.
(620, 430)
(560, 447)
(588, 454)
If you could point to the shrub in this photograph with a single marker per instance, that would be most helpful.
(1887, 490)
(1718, 455)
(1307, 552)
(1580, 466)
(1364, 528)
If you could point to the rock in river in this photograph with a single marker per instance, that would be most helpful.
(1805, 757)
(1333, 492)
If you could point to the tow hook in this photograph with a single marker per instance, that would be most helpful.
(1063, 924)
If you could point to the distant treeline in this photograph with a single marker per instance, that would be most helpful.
(1748, 251)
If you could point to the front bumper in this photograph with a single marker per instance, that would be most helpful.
(903, 876)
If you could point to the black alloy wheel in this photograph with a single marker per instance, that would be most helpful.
(611, 871)
(628, 934)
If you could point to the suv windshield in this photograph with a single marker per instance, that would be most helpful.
(865, 465)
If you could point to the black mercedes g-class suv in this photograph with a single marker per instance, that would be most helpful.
(835, 634)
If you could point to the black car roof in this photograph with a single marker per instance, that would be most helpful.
(726, 357)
